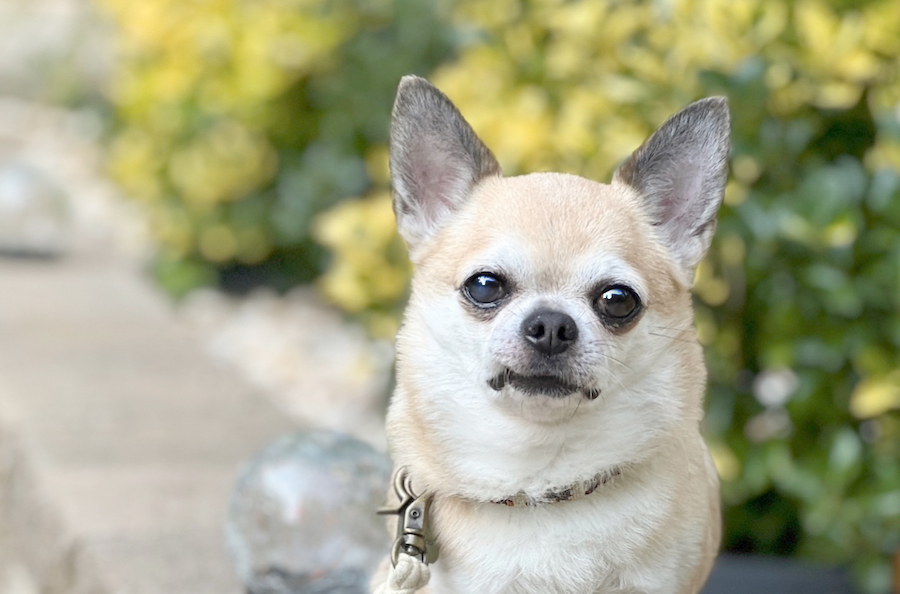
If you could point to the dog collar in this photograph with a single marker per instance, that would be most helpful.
(572, 492)
(414, 511)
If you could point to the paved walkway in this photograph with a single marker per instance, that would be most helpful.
(119, 439)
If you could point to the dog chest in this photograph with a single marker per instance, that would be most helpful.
(616, 542)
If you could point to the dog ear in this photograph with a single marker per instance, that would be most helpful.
(436, 159)
(680, 173)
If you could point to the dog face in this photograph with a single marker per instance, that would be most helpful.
(539, 291)
(548, 300)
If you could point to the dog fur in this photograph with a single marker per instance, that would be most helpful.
(556, 242)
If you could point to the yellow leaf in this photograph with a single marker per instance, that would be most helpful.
(875, 396)
(838, 95)
(816, 25)
(727, 463)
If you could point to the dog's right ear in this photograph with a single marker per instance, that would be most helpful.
(436, 159)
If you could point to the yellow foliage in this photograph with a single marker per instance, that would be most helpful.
(874, 396)
(223, 163)
(135, 159)
(232, 53)
(710, 288)
(732, 250)
(727, 463)
(370, 268)
(603, 61)
(190, 93)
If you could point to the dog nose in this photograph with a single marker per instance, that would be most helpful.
(549, 332)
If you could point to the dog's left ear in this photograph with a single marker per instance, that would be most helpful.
(680, 173)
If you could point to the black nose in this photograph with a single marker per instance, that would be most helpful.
(550, 332)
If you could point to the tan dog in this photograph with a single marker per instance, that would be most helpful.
(549, 382)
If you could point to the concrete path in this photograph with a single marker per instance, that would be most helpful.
(119, 439)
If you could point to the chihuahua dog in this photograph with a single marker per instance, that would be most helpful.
(549, 381)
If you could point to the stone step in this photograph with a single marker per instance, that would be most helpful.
(119, 438)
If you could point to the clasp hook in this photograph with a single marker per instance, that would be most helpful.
(414, 511)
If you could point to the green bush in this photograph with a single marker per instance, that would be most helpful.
(237, 121)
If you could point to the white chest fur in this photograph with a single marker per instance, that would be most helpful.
(631, 536)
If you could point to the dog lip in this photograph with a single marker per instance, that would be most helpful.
(534, 385)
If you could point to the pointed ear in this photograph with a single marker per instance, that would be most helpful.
(680, 173)
(436, 159)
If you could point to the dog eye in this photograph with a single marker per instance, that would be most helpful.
(484, 289)
(617, 304)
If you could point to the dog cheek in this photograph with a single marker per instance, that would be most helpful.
(657, 381)
(451, 338)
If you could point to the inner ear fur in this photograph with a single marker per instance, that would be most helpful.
(436, 159)
(680, 174)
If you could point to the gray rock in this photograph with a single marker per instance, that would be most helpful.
(302, 517)
(34, 214)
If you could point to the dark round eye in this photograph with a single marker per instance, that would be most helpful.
(485, 289)
(617, 303)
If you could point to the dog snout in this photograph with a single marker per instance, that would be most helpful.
(549, 332)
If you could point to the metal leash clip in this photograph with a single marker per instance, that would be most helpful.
(413, 512)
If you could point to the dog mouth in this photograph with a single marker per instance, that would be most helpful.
(539, 385)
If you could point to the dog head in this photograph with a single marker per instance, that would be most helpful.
(549, 301)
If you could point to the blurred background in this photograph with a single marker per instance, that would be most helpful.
(244, 144)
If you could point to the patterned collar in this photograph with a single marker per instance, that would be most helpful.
(568, 493)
